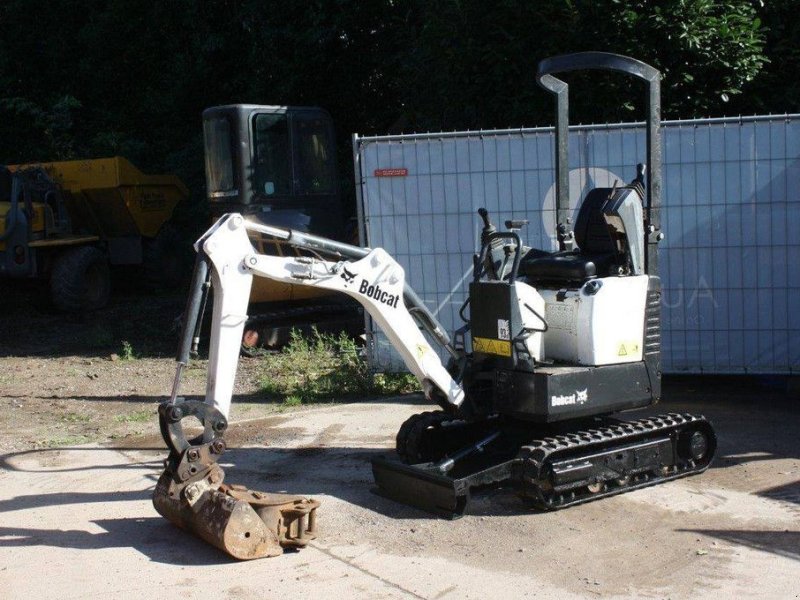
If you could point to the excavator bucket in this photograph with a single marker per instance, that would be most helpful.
(241, 522)
(191, 494)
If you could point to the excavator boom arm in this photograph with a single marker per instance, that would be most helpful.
(375, 280)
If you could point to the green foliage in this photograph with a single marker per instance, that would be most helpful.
(325, 367)
(127, 353)
(776, 89)
(474, 63)
(52, 124)
(72, 417)
(132, 78)
(60, 440)
(140, 416)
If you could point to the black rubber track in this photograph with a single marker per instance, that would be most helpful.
(537, 458)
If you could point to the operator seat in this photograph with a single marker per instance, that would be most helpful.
(597, 253)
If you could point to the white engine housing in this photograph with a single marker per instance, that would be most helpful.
(591, 326)
(530, 296)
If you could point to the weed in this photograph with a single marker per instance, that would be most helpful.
(75, 418)
(325, 367)
(127, 352)
(391, 384)
(292, 400)
(137, 417)
(66, 440)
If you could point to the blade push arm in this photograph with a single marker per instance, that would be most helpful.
(374, 279)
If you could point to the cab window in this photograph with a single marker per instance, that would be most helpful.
(272, 168)
(315, 152)
(220, 177)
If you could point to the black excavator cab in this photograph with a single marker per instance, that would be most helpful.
(275, 164)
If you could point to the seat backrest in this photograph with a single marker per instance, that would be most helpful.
(591, 228)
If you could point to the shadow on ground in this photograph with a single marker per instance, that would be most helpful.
(782, 543)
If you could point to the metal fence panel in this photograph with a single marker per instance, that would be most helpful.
(730, 261)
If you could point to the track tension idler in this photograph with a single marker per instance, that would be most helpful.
(191, 494)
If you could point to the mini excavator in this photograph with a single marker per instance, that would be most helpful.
(554, 346)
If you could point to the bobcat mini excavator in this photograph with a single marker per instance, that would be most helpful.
(558, 343)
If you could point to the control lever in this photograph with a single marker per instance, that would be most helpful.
(488, 228)
(493, 263)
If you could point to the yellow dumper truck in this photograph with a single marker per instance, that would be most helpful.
(70, 221)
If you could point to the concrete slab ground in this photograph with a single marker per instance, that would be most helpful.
(78, 522)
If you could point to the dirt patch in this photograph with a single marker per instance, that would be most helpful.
(72, 379)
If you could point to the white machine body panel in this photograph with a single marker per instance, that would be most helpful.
(531, 300)
(602, 323)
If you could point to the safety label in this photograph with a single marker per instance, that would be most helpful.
(503, 329)
(628, 348)
(489, 346)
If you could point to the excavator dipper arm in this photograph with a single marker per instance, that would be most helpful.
(190, 492)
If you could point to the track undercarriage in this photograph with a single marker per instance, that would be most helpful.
(551, 467)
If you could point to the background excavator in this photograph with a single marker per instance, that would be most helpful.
(554, 345)
(277, 165)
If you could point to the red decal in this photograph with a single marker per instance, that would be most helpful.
(391, 172)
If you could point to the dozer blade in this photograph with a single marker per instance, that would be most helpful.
(241, 522)
(421, 486)
(443, 487)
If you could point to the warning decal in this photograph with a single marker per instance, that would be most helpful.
(503, 329)
(489, 346)
(626, 349)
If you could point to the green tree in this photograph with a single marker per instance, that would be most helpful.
(102, 77)
(475, 62)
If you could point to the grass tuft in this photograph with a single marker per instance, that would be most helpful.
(137, 417)
(127, 352)
(326, 367)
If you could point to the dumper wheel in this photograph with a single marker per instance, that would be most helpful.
(166, 258)
(80, 279)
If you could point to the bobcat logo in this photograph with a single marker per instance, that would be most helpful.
(579, 397)
(347, 276)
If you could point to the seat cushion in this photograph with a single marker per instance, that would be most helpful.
(570, 267)
(566, 267)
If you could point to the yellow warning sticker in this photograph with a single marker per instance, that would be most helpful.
(628, 348)
(489, 346)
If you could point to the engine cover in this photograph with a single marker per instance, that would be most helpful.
(600, 323)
